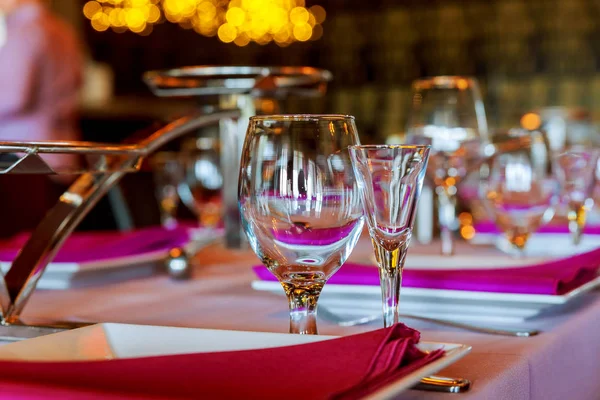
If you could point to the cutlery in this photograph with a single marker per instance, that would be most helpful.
(474, 328)
(443, 384)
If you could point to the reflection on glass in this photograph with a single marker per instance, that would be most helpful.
(447, 113)
(521, 190)
(299, 203)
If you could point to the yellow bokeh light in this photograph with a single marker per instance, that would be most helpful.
(302, 32)
(531, 121)
(242, 40)
(237, 21)
(299, 16)
(235, 16)
(319, 13)
(227, 33)
(91, 8)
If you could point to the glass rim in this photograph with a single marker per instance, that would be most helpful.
(301, 117)
(445, 82)
(389, 146)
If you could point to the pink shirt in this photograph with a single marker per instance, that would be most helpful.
(40, 77)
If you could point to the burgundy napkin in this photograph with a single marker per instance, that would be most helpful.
(551, 278)
(345, 368)
(92, 246)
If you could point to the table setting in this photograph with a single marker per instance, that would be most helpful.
(172, 311)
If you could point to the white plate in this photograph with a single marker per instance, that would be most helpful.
(542, 245)
(64, 275)
(467, 306)
(111, 341)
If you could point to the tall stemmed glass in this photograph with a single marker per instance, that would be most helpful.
(521, 189)
(447, 112)
(168, 173)
(390, 179)
(299, 203)
(576, 170)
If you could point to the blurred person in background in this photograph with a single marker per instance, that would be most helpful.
(40, 79)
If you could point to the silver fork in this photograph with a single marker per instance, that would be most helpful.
(324, 312)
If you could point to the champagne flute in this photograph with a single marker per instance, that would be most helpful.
(447, 113)
(521, 190)
(299, 203)
(390, 179)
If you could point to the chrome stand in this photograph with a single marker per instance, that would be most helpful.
(243, 89)
(109, 164)
(236, 88)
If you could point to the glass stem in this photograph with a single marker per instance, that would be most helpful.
(303, 299)
(391, 263)
(577, 223)
(447, 218)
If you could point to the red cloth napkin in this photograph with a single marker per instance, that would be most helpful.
(344, 368)
(555, 277)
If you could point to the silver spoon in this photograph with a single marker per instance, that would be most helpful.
(474, 328)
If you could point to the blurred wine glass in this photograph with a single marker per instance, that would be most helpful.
(448, 114)
(203, 181)
(576, 170)
(520, 191)
(167, 168)
(300, 204)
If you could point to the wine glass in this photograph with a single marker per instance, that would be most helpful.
(576, 169)
(204, 182)
(299, 203)
(167, 168)
(390, 179)
(447, 113)
(521, 189)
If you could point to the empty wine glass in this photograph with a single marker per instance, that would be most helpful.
(299, 203)
(390, 179)
(204, 182)
(521, 190)
(576, 169)
(167, 168)
(447, 113)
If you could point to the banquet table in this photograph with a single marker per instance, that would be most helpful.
(561, 363)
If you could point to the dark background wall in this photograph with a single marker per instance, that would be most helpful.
(526, 53)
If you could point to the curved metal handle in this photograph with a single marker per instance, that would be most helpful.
(49, 236)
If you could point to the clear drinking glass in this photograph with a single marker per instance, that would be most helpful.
(447, 113)
(521, 189)
(576, 169)
(299, 203)
(167, 168)
(390, 179)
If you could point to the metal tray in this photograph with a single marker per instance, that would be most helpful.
(223, 80)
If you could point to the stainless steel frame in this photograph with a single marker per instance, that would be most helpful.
(112, 162)
(235, 88)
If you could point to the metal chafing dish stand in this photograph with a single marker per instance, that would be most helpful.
(236, 88)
